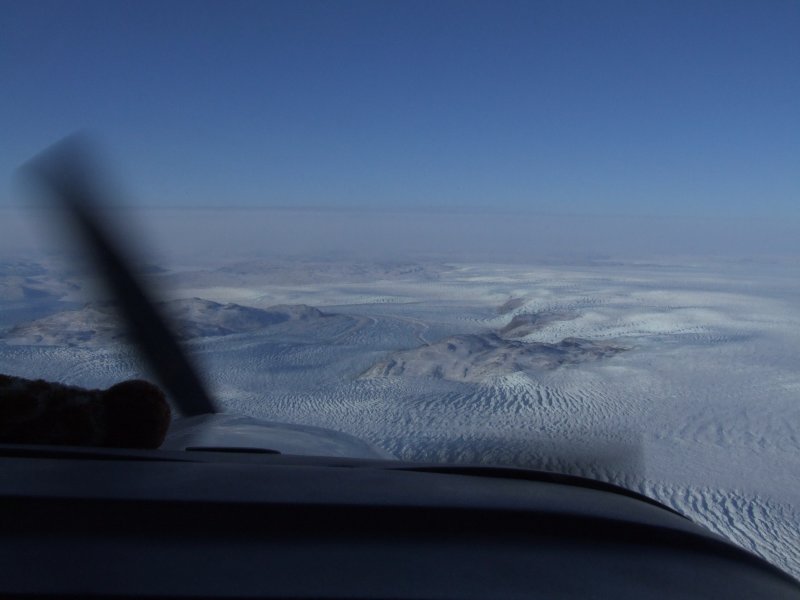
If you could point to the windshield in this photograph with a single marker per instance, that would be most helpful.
(556, 235)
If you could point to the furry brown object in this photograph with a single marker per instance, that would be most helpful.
(131, 414)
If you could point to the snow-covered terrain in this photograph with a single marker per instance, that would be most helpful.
(98, 323)
(680, 380)
(481, 357)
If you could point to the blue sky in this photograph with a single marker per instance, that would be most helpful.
(566, 107)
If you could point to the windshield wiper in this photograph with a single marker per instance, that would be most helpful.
(64, 170)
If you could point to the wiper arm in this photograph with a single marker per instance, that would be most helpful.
(64, 172)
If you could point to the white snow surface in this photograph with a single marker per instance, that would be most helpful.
(700, 411)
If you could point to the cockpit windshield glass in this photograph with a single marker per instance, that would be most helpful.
(562, 236)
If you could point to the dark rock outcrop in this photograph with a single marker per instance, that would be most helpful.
(477, 357)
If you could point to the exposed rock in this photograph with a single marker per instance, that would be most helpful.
(477, 357)
(522, 325)
(69, 328)
(15, 288)
(190, 318)
(510, 305)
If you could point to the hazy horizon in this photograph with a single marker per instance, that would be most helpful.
(214, 235)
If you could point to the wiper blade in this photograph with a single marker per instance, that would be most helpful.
(65, 172)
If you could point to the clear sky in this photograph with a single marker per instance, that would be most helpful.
(589, 107)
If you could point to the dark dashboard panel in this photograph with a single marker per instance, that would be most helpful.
(279, 527)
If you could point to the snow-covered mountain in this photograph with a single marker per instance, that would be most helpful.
(190, 318)
(478, 357)
(195, 317)
(254, 273)
(525, 324)
(23, 280)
